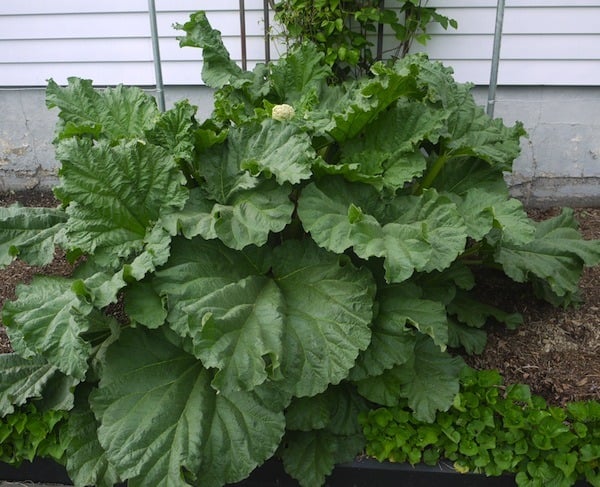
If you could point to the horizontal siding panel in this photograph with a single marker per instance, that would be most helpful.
(523, 47)
(104, 74)
(113, 26)
(565, 73)
(28, 7)
(545, 20)
(513, 3)
(544, 42)
(135, 73)
(532, 20)
(130, 49)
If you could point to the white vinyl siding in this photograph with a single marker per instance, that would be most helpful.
(109, 41)
(545, 42)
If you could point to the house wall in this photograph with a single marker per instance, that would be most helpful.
(545, 42)
(549, 75)
(109, 41)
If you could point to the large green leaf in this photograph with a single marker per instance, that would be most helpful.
(310, 456)
(162, 423)
(30, 234)
(555, 255)
(336, 409)
(116, 193)
(219, 172)
(246, 219)
(430, 381)
(476, 314)
(322, 431)
(411, 233)
(482, 211)
(299, 72)
(443, 285)
(233, 315)
(273, 148)
(144, 305)
(312, 316)
(461, 174)
(218, 68)
(86, 460)
(113, 113)
(337, 216)
(310, 413)
(441, 225)
(473, 340)
(195, 269)
(388, 155)
(156, 251)
(22, 379)
(51, 317)
(401, 307)
(52, 314)
(407, 304)
(241, 329)
(471, 132)
(175, 131)
(436, 82)
(328, 308)
(345, 112)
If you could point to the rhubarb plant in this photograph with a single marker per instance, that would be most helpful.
(303, 254)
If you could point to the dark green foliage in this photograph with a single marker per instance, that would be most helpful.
(494, 429)
(28, 432)
(345, 31)
(302, 255)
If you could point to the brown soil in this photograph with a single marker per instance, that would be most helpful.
(555, 351)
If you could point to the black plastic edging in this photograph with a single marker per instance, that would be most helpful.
(360, 473)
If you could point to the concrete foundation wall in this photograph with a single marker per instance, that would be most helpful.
(559, 164)
(560, 159)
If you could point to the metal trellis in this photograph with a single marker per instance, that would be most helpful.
(491, 101)
(160, 93)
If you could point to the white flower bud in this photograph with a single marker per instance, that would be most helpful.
(283, 112)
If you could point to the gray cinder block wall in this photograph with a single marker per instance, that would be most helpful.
(560, 159)
(559, 164)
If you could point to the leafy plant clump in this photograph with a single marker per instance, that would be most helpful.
(276, 276)
(344, 31)
(494, 429)
(27, 433)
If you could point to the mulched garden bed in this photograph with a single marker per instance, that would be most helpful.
(556, 351)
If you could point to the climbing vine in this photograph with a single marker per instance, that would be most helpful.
(347, 31)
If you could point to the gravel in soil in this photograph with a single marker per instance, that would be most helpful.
(556, 351)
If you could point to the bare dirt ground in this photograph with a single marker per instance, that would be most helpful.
(556, 351)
